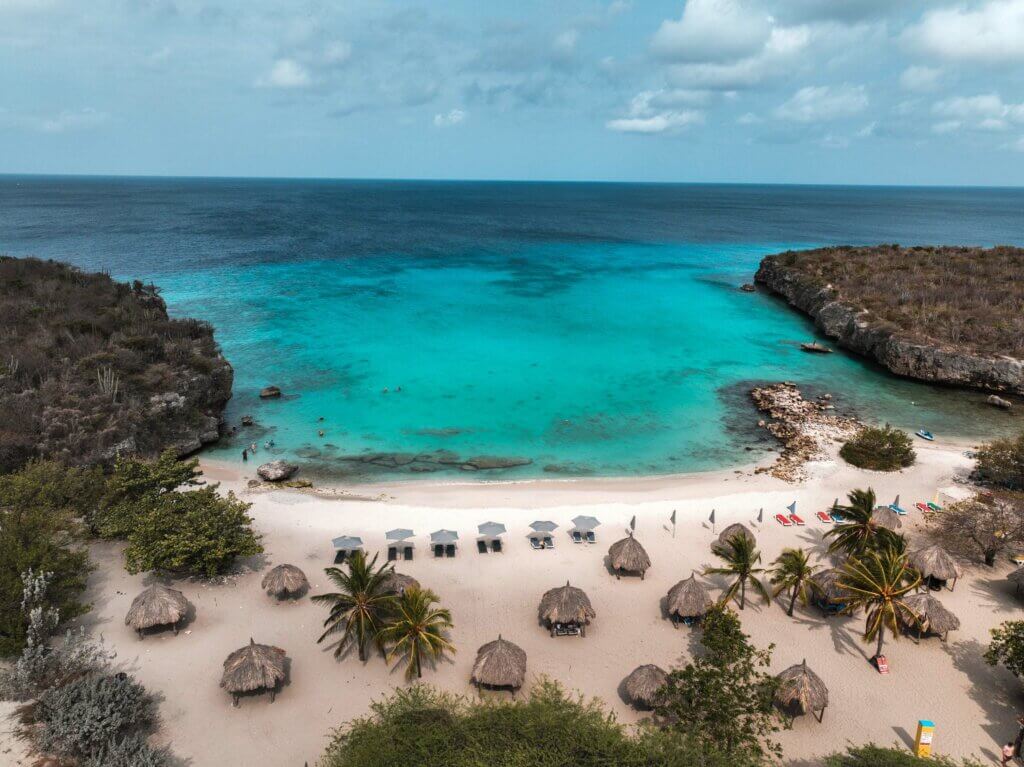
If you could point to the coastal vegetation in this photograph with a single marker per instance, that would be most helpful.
(92, 368)
(877, 583)
(879, 448)
(742, 562)
(859, 531)
(1001, 463)
(983, 526)
(1007, 647)
(876, 756)
(792, 571)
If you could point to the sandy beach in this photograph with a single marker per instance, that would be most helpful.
(499, 593)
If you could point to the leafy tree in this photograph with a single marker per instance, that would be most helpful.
(792, 572)
(134, 482)
(1007, 647)
(70, 493)
(858, 532)
(984, 525)
(724, 700)
(741, 560)
(876, 756)
(197, 532)
(360, 607)
(877, 582)
(1001, 463)
(879, 449)
(417, 631)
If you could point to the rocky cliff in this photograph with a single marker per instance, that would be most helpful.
(905, 353)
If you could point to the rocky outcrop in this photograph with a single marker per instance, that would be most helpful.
(270, 392)
(435, 460)
(856, 330)
(276, 471)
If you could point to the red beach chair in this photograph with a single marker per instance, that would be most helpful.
(783, 520)
(824, 517)
(922, 507)
(796, 520)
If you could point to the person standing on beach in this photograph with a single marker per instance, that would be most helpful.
(245, 454)
(1007, 755)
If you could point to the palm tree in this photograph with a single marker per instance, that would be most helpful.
(417, 630)
(360, 607)
(741, 559)
(859, 532)
(878, 581)
(793, 570)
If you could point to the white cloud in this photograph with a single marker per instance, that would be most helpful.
(661, 111)
(662, 122)
(565, 42)
(617, 7)
(713, 30)
(749, 119)
(781, 48)
(448, 119)
(991, 32)
(946, 126)
(287, 74)
(819, 103)
(337, 53)
(65, 121)
(918, 78)
(985, 111)
(868, 130)
(1018, 145)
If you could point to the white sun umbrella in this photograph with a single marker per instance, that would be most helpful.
(543, 526)
(399, 534)
(490, 529)
(347, 543)
(584, 522)
(444, 536)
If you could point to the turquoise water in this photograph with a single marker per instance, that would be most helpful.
(590, 333)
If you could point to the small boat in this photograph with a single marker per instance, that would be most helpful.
(815, 348)
(925, 434)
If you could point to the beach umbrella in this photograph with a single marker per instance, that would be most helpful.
(399, 534)
(629, 556)
(584, 522)
(934, 562)
(253, 667)
(397, 583)
(157, 606)
(285, 581)
(543, 526)
(491, 529)
(444, 536)
(347, 542)
(632, 523)
(499, 664)
(792, 508)
(760, 516)
(688, 599)
(643, 685)
(801, 691)
(711, 519)
(567, 605)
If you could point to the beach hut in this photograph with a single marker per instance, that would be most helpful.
(801, 691)
(885, 517)
(157, 606)
(285, 581)
(932, 616)
(1017, 578)
(936, 566)
(499, 664)
(566, 610)
(730, 532)
(688, 600)
(643, 685)
(397, 583)
(827, 593)
(628, 556)
(251, 668)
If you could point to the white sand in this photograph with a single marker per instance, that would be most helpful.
(498, 593)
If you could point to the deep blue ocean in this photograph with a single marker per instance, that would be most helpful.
(590, 328)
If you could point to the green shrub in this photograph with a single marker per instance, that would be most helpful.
(879, 449)
(131, 483)
(1001, 463)
(130, 751)
(875, 756)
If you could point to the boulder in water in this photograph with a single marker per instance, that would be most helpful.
(277, 471)
(997, 401)
(270, 392)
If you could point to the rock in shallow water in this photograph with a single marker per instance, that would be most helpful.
(270, 392)
(276, 471)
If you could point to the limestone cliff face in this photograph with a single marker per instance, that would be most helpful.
(853, 329)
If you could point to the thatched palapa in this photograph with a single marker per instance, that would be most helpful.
(628, 556)
(1017, 577)
(397, 583)
(731, 532)
(157, 606)
(253, 667)
(285, 581)
(643, 685)
(688, 600)
(499, 664)
(885, 517)
(801, 691)
(935, 564)
(566, 606)
(932, 616)
(828, 594)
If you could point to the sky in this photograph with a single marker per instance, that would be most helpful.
(783, 91)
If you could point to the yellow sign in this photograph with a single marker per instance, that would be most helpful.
(923, 741)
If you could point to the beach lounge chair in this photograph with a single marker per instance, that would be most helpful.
(535, 542)
(392, 553)
(408, 552)
(796, 520)
(898, 509)
(591, 538)
(837, 517)
(922, 507)
(438, 550)
(496, 545)
(783, 520)
(339, 557)
(548, 542)
(824, 517)
(449, 550)
(481, 547)
(934, 506)
(577, 536)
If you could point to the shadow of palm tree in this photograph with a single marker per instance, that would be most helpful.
(996, 691)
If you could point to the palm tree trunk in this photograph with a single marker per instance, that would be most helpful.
(881, 638)
(362, 652)
(792, 602)
(743, 592)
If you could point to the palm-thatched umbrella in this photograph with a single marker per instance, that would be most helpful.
(397, 583)
(885, 517)
(643, 685)
(732, 531)
(285, 581)
(1017, 577)
(253, 667)
(801, 691)
(828, 595)
(499, 664)
(932, 616)
(566, 606)
(935, 565)
(157, 606)
(629, 556)
(688, 600)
